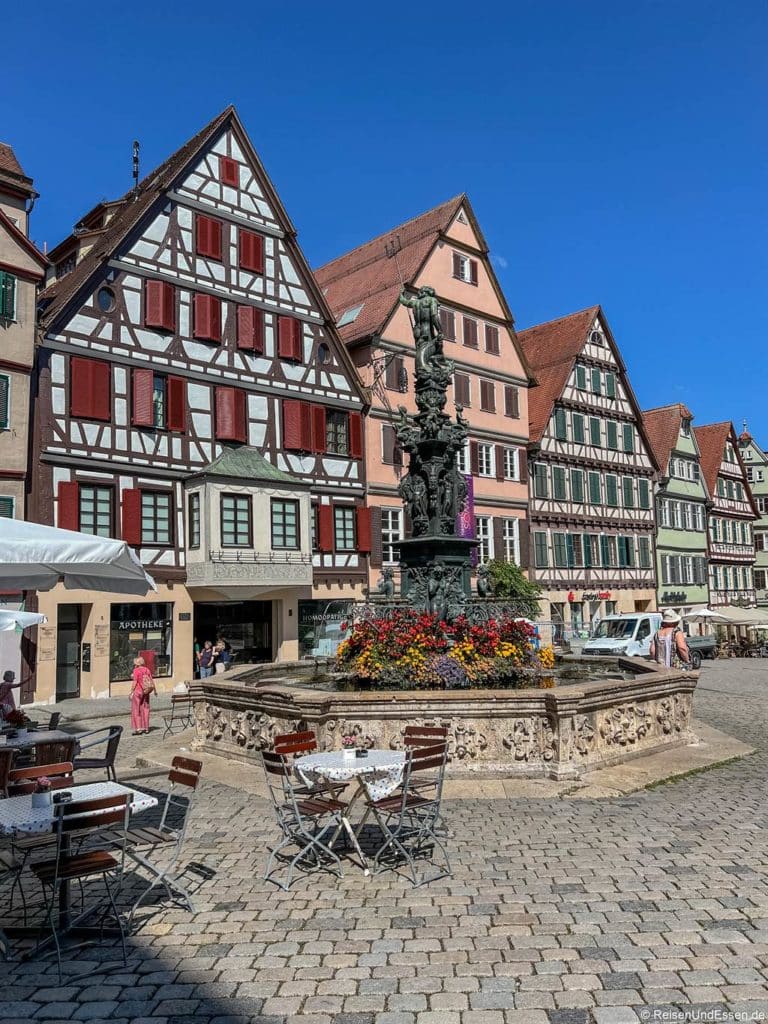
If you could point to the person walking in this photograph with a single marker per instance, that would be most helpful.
(668, 646)
(143, 688)
(205, 660)
(7, 687)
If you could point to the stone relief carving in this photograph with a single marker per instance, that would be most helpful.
(584, 735)
(548, 739)
(468, 742)
(669, 715)
(625, 725)
(522, 740)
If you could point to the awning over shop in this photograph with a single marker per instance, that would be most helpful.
(744, 616)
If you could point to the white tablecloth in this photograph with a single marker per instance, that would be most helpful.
(381, 771)
(18, 815)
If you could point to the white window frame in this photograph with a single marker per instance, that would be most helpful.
(465, 271)
(486, 459)
(391, 531)
(511, 464)
(462, 459)
(484, 537)
(510, 533)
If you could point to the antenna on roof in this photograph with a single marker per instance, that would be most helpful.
(135, 165)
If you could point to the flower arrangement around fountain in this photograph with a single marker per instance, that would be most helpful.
(415, 650)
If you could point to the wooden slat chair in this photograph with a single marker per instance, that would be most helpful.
(409, 819)
(109, 735)
(24, 780)
(305, 822)
(55, 751)
(181, 713)
(100, 826)
(424, 735)
(157, 849)
(6, 763)
(295, 745)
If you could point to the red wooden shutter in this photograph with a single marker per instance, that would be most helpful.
(377, 553)
(523, 536)
(251, 251)
(522, 464)
(68, 511)
(290, 338)
(474, 458)
(363, 517)
(101, 377)
(388, 445)
(229, 170)
(230, 414)
(324, 528)
(473, 271)
(500, 463)
(131, 517)
(498, 539)
(207, 317)
(292, 439)
(356, 435)
(176, 398)
(208, 240)
(306, 427)
(511, 401)
(90, 391)
(298, 340)
(159, 305)
(456, 265)
(250, 328)
(318, 428)
(143, 414)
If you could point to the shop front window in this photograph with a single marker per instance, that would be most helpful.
(320, 623)
(140, 630)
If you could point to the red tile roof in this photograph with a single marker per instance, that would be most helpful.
(551, 351)
(711, 441)
(11, 172)
(662, 427)
(367, 275)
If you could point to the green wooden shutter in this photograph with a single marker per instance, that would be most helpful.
(561, 430)
(581, 378)
(577, 485)
(540, 549)
(595, 491)
(7, 295)
(628, 492)
(611, 490)
(5, 395)
(643, 494)
(577, 422)
(558, 483)
(540, 489)
(6, 506)
(569, 551)
(610, 385)
(604, 554)
(596, 382)
(560, 552)
(594, 432)
(629, 437)
(587, 548)
(612, 431)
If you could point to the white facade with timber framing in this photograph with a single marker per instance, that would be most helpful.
(591, 475)
(194, 399)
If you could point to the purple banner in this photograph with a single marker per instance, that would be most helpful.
(465, 520)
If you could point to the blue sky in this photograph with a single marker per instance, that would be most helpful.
(613, 152)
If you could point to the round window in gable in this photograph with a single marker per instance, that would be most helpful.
(105, 299)
(323, 354)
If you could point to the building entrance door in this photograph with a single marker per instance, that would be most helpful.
(245, 625)
(68, 637)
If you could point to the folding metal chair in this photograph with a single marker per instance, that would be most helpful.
(110, 735)
(158, 848)
(100, 827)
(181, 713)
(409, 819)
(53, 721)
(297, 744)
(24, 780)
(306, 822)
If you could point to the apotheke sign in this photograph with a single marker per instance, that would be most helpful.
(143, 624)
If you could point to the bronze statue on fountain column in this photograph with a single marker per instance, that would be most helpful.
(427, 332)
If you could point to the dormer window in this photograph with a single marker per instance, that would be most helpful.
(685, 428)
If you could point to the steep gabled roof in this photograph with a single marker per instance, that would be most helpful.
(551, 350)
(128, 213)
(21, 239)
(662, 425)
(367, 275)
(711, 441)
(11, 173)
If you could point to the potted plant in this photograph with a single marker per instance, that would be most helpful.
(42, 795)
(18, 721)
(348, 745)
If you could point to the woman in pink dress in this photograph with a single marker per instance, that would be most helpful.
(143, 688)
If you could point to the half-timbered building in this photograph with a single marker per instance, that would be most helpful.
(445, 249)
(22, 272)
(755, 461)
(681, 510)
(591, 475)
(731, 534)
(193, 398)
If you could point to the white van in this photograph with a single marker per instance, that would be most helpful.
(624, 634)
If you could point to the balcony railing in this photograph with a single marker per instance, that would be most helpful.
(248, 556)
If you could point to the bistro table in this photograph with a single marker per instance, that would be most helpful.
(19, 817)
(377, 775)
(33, 737)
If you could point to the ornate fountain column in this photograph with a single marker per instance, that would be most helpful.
(435, 563)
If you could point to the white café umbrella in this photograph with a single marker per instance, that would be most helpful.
(704, 615)
(35, 557)
(19, 620)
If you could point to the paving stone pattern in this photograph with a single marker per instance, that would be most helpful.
(559, 912)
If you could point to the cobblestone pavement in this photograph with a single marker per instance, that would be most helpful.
(559, 912)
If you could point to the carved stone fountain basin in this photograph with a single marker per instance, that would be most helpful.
(556, 733)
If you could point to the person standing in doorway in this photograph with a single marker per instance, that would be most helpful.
(143, 688)
(205, 660)
(223, 657)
